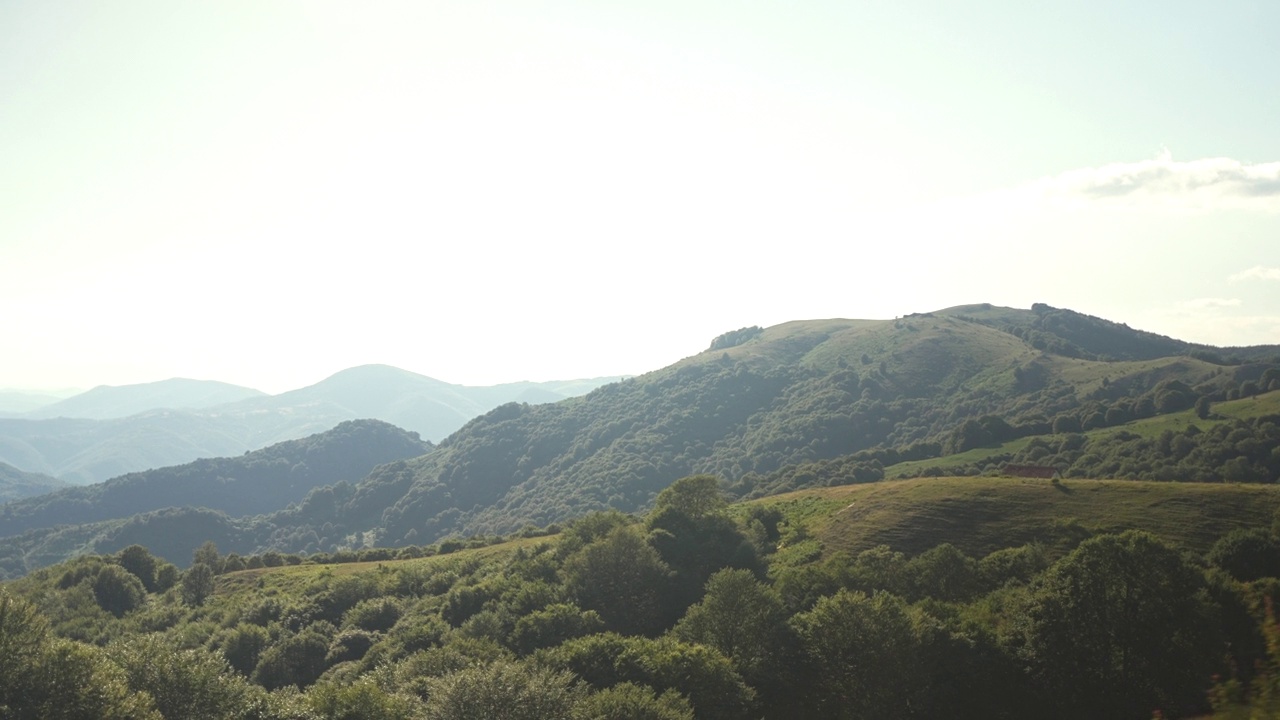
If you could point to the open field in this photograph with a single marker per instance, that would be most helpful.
(983, 514)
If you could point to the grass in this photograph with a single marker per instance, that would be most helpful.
(290, 578)
(1257, 406)
(983, 514)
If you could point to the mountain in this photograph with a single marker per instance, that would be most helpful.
(800, 404)
(255, 483)
(16, 484)
(765, 400)
(106, 401)
(14, 403)
(85, 450)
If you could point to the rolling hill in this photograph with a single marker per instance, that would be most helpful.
(84, 450)
(255, 483)
(779, 397)
(16, 484)
(105, 401)
(767, 410)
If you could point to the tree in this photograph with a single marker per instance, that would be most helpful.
(185, 684)
(1203, 405)
(1066, 424)
(695, 496)
(197, 584)
(1247, 554)
(207, 554)
(943, 573)
(1119, 627)
(623, 579)
(739, 616)
(714, 689)
(858, 650)
(298, 660)
(628, 701)
(553, 625)
(117, 590)
(502, 691)
(24, 637)
(139, 561)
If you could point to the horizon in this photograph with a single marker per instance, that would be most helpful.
(259, 193)
(66, 392)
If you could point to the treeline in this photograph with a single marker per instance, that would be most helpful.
(687, 612)
(255, 483)
(1242, 451)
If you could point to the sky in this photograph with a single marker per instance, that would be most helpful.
(266, 192)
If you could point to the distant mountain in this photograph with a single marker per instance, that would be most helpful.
(252, 484)
(106, 401)
(86, 450)
(16, 403)
(16, 484)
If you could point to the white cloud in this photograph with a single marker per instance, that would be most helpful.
(1207, 184)
(1209, 302)
(1257, 272)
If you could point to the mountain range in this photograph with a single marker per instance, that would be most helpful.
(110, 431)
(764, 409)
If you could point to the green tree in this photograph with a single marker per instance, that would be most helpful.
(1247, 554)
(695, 496)
(298, 660)
(117, 590)
(197, 584)
(1203, 407)
(628, 701)
(699, 673)
(502, 691)
(623, 579)
(185, 684)
(858, 651)
(362, 700)
(1119, 627)
(207, 554)
(139, 561)
(553, 625)
(739, 616)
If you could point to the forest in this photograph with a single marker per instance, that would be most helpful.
(698, 608)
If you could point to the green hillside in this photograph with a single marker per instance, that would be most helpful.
(980, 515)
(761, 401)
(993, 597)
(767, 410)
(16, 484)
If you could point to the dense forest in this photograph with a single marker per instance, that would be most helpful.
(696, 609)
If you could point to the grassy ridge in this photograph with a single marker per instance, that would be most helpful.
(983, 514)
(1257, 406)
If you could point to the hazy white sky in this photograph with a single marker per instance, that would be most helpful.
(267, 192)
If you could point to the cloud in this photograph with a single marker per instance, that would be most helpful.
(1257, 272)
(1209, 303)
(1210, 183)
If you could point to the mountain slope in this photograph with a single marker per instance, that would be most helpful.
(16, 484)
(252, 484)
(106, 402)
(789, 394)
(85, 450)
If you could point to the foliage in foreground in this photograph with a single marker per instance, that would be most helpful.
(685, 613)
